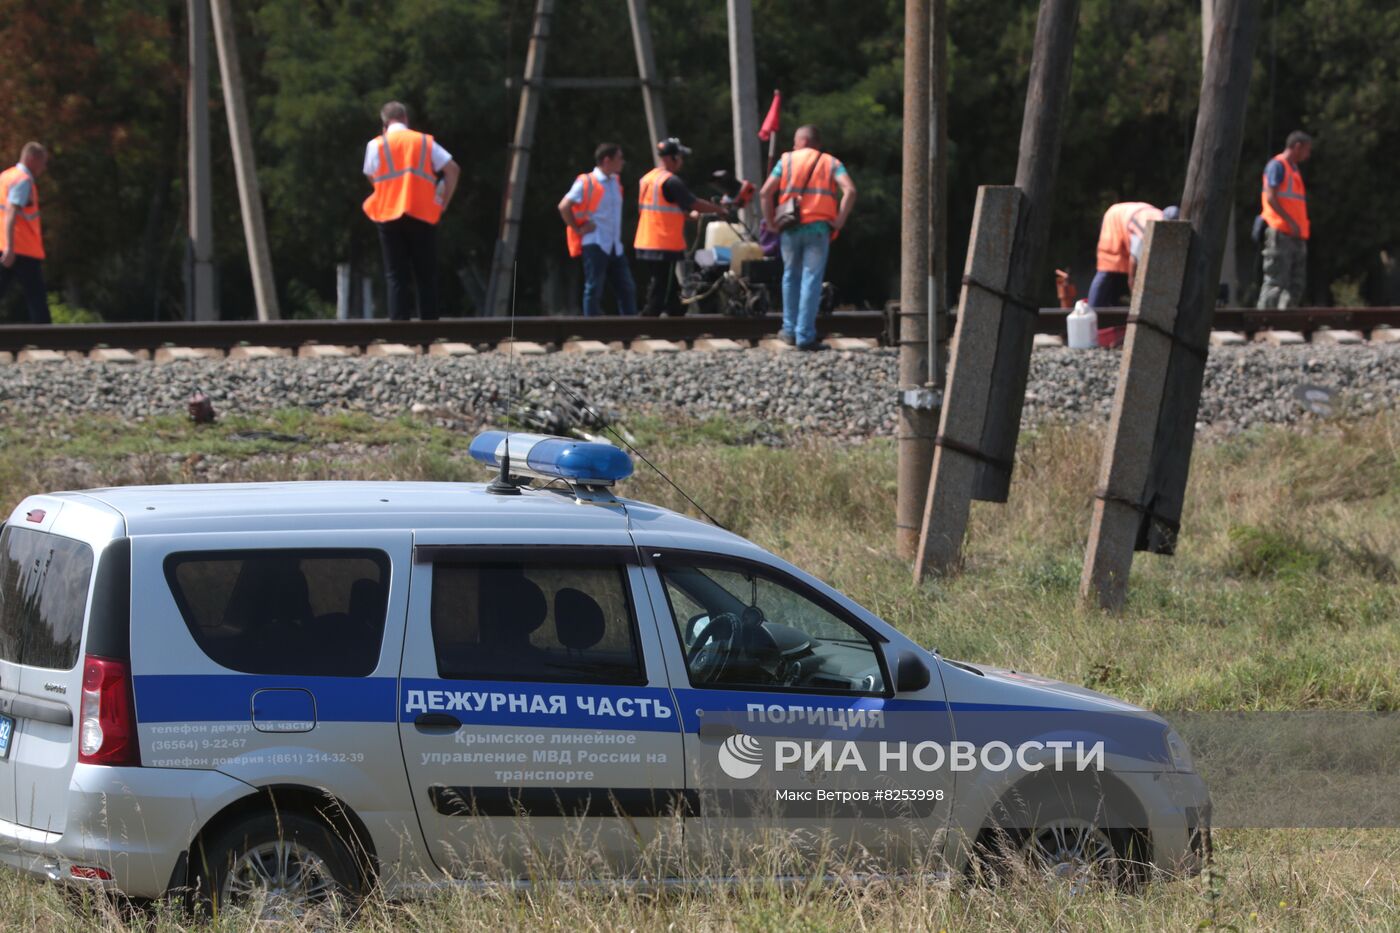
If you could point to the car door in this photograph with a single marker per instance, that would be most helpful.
(538, 727)
(791, 719)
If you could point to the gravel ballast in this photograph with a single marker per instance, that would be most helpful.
(839, 394)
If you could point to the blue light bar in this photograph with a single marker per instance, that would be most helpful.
(582, 463)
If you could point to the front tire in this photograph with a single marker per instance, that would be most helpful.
(279, 866)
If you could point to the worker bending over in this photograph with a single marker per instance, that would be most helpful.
(663, 202)
(1120, 248)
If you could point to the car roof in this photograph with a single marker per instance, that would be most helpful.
(332, 505)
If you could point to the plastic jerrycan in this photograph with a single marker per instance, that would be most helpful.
(1083, 326)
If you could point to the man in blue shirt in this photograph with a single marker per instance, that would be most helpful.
(592, 212)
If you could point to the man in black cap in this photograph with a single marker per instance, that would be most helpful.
(663, 201)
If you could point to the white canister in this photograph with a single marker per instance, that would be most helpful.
(1083, 326)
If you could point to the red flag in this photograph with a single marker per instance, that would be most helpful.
(772, 121)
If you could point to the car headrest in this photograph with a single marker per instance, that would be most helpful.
(578, 619)
(514, 608)
(366, 601)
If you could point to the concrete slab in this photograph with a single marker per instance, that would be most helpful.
(647, 345)
(521, 348)
(774, 344)
(1336, 338)
(851, 343)
(322, 351)
(42, 356)
(1040, 341)
(112, 355)
(390, 349)
(187, 354)
(258, 353)
(585, 346)
(1227, 338)
(1280, 338)
(450, 348)
(1385, 335)
(717, 345)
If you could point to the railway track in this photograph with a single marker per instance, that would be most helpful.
(556, 332)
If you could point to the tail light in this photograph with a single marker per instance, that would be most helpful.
(107, 719)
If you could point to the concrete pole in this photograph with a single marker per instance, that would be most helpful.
(200, 174)
(1230, 269)
(743, 95)
(918, 419)
(498, 290)
(940, 328)
(646, 69)
(244, 165)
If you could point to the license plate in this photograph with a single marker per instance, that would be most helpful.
(7, 732)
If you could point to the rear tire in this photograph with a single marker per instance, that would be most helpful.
(279, 866)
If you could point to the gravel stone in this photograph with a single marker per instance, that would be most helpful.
(833, 394)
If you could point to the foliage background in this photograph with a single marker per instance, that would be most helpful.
(103, 85)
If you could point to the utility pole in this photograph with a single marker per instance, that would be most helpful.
(743, 95)
(1144, 480)
(940, 328)
(917, 404)
(646, 69)
(245, 167)
(498, 291)
(200, 175)
(1230, 270)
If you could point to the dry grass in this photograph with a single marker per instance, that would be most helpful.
(1283, 596)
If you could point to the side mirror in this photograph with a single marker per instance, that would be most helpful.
(911, 673)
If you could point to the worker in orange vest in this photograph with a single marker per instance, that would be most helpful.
(592, 212)
(1285, 213)
(414, 178)
(1120, 247)
(22, 236)
(812, 178)
(663, 202)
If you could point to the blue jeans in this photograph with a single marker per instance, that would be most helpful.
(600, 266)
(1107, 289)
(804, 263)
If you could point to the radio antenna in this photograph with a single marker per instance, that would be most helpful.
(501, 485)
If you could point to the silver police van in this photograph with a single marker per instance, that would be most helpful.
(303, 690)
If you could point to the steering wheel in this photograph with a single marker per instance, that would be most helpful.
(716, 650)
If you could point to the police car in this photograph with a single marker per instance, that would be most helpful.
(292, 691)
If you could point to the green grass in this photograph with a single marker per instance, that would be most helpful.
(1283, 595)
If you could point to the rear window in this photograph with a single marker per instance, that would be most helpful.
(309, 612)
(43, 595)
(539, 621)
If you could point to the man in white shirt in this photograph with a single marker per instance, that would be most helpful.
(414, 178)
(592, 212)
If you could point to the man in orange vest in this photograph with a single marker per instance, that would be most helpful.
(414, 179)
(1285, 212)
(592, 212)
(1120, 247)
(814, 177)
(22, 237)
(663, 201)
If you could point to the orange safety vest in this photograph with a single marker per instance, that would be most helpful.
(1120, 222)
(1292, 196)
(29, 233)
(582, 212)
(660, 224)
(405, 183)
(818, 191)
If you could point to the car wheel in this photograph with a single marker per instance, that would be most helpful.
(1064, 836)
(277, 866)
(1074, 852)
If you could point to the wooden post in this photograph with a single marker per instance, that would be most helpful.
(1153, 507)
(956, 459)
(646, 69)
(997, 415)
(743, 96)
(245, 166)
(917, 406)
(202, 305)
(498, 289)
(1230, 268)
(1142, 374)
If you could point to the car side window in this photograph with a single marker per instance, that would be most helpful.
(551, 621)
(743, 627)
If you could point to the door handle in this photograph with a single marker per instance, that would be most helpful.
(437, 722)
(717, 731)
